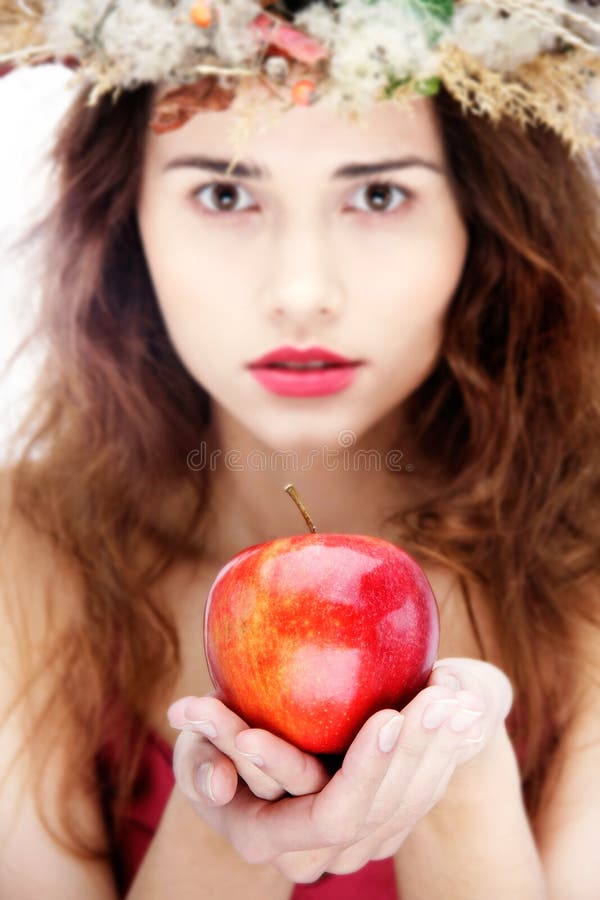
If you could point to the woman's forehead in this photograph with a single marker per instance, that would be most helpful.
(317, 130)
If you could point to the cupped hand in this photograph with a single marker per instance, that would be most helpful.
(396, 770)
(213, 735)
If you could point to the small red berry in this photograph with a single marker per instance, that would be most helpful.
(201, 14)
(303, 92)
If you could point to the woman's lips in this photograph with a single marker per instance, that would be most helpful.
(301, 356)
(304, 372)
(305, 382)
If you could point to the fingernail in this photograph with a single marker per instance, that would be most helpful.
(389, 734)
(463, 719)
(438, 711)
(204, 780)
(253, 758)
(175, 715)
(451, 682)
(204, 726)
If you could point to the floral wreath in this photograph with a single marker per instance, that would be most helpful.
(537, 61)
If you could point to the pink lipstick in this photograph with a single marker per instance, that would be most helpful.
(310, 372)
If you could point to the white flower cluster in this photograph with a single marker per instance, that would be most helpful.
(153, 40)
(501, 39)
(372, 45)
(505, 34)
(234, 43)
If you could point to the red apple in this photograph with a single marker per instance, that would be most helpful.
(309, 635)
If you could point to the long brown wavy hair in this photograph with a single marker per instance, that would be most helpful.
(509, 422)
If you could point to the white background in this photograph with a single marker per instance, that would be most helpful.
(32, 101)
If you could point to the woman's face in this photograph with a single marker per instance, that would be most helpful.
(311, 246)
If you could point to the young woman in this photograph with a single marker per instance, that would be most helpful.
(453, 264)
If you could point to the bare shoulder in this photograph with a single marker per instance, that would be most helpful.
(32, 574)
(587, 652)
(567, 822)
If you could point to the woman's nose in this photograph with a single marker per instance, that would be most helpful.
(303, 283)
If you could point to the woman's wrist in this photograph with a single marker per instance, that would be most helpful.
(188, 859)
(478, 833)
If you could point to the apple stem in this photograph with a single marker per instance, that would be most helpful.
(291, 490)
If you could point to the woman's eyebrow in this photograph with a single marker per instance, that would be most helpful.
(250, 170)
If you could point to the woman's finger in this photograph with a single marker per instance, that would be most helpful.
(436, 728)
(418, 775)
(460, 673)
(209, 717)
(420, 765)
(343, 807)
(297, 772)
(202, 772)
(488, 681)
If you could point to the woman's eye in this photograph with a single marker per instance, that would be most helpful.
(224, 197)
(221, 197)
(380, 197)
